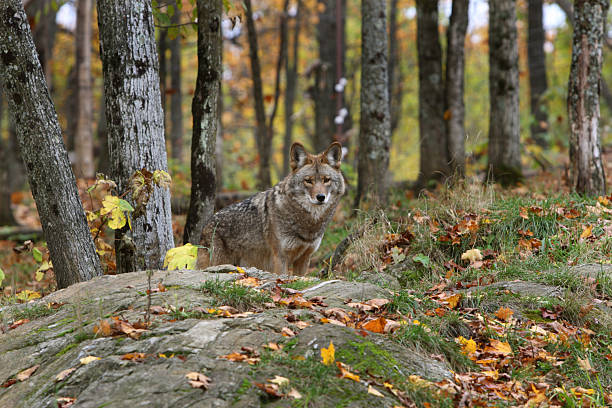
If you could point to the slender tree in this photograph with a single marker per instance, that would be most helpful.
(262, 138)
(44, 28)
(135, 125)
(375, 127)
(176, 98)
(51, 179)
(205, 119)
(536, 60)
(504, 126)
(6, 213)
(433, 145)
(291, 78)
(162, 48)
(454, 113)
(396, 92)
(587, 173)
(83, 137)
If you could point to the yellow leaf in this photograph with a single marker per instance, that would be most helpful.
(472, 255)
(374, 391)
(27, 295)
(586, 232)
(345, 373)
(328, 354)
(88, 359)
(183, 257)
(499, 347)
(453, 300)
(468, 346)
(110, 206)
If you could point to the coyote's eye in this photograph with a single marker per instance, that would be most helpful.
(308, 181)
(326, 179)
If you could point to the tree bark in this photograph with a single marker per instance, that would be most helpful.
(326, 75)
(291, 74)
(538, 84)
(504, 126)
(375, 127)
(205, 119)
(395, 73)
(136, 125)
(587, 173)
(176, 111)
(162, 46)
(103, 159)
(262, 138)
(51, 179)
(454, 113)
(433, 149)
(83, 138)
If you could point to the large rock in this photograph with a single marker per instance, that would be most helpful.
(59, 341)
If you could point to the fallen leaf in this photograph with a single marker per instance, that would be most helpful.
(25, 374)
(586, 232)
(294, 394)
(198, 380)
(472, 255)
(345, 373)
(585, 364)
(504, 313)
(328, 355)
(65, 374)
(376, 325)
(89, 359)
(287, 332)
(65, 402)
(279, 380)
(374, 391)
(134, 356)
(270, 389)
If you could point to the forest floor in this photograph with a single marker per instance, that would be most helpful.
(511, 290)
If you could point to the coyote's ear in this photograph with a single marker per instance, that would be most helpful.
(333, 155)
(298, 156)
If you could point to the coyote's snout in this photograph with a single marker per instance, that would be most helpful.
(281, 227)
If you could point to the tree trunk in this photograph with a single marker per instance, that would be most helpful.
(43, 32)
(83, 138)
(103, 159)
(6, 213)
(219, 143)
(135, 125)
(291, 73)
(375, 127)
(176, 100)
(583, 97)
(262, 137)
(434, 160)
(504, 126)
(205, 119)
(52, 182)
(395, 73)
(162, 46)
(331, 57)
(454, 113)
(538, 84)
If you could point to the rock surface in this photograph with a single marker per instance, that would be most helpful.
(173, 348)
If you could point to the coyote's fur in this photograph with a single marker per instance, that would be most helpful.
(281, 227)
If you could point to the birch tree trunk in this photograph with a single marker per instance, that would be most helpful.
(504, 125)
(135, 125)
(176, 100)
(205, 119)
(433, 144)
(51, 179)
(453, 98)
(583, 97)
(83, 137)
(262, 137)
(536, 60)
(375, 127)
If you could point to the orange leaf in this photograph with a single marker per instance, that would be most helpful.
(504, 313)
(345, 373)
(376, 325)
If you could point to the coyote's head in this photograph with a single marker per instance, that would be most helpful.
(316, 180)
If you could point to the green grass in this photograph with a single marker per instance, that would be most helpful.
(33, 312)
(231, 294)
(301, 283)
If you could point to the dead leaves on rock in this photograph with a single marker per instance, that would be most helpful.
(115, 326)
(198, 380)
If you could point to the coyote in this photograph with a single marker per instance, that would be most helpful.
(281, 227)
